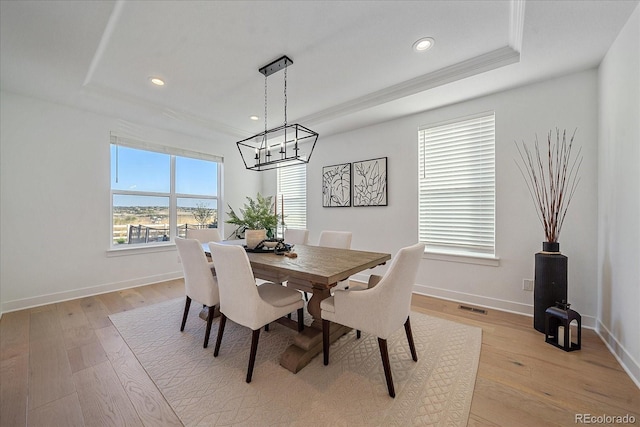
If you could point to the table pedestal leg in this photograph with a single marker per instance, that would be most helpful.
(308, 343)
(313, 306)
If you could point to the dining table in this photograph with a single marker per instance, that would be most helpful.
(315, 270)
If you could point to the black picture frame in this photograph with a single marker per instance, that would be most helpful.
(370, 182)
(336, 186)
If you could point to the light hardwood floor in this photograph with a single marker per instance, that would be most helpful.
(65, 365)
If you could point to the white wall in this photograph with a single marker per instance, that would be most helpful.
(55, 202)
(568, 102)
(619, 204)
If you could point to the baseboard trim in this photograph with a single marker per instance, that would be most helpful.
(478, 300)
(626, 360)
(21, 304)
(492, 303)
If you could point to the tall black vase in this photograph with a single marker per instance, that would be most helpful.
(550, 285)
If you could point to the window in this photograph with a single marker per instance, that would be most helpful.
(292, 192)
(457, 186)
(157, 193)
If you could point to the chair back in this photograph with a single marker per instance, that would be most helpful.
(204, 235)
(239, 298)
(335, 239)
(295, 236)
(395, 289)
(198, 279)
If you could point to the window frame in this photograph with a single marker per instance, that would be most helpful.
(173, 197)
(449, 250)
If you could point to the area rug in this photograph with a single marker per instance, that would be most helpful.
(350, 391)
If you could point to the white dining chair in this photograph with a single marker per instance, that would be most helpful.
(200, 284)
(380, 310)
(245, 303)
(335, 239)
(204, 235)
(296, 236)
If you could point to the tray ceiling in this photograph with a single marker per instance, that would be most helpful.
(353, 61)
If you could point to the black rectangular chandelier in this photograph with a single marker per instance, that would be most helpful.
(285, 145)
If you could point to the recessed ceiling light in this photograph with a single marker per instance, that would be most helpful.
(157, 81)
(254, 117)
(423, 44)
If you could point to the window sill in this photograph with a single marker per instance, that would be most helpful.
(137, 250)
(488, 260)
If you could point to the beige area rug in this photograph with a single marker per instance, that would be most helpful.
(350, 391)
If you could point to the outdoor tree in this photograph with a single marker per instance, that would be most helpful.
(202, 213)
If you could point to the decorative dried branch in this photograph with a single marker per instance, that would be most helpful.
(551, 182)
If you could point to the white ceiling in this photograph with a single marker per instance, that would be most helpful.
(353, 62)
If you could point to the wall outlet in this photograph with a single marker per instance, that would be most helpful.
(527, 285)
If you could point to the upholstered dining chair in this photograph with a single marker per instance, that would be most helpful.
(245, 303)
(204, 235)
(296, 236)
(199, 282)
(380, 310)
(335, 239)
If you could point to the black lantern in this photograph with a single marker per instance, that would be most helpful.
(558, 321)
(286, 145)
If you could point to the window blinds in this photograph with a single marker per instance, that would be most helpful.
(174, 151)
(292, 186)
(457, 186)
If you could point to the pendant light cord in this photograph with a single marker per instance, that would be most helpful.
(265, 110)
(285, 95)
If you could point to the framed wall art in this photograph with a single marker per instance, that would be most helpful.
(336, 185)
(370, 182)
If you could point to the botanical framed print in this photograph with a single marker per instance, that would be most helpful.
(336, 185)
(370, 182)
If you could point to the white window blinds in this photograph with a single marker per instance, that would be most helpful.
(292, 189)
(174, 151)
(457, 186)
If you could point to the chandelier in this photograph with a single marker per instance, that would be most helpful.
(285, 145)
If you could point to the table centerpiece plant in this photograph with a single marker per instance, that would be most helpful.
(257, 219)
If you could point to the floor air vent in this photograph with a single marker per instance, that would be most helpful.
(472, 309)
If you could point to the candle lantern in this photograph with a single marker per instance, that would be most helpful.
(558, 322)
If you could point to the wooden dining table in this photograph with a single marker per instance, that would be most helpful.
(315, 270)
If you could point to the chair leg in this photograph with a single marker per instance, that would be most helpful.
(300, 320)
(209, 321)
(266, 327)
(387, 367)
(306, 297)
(407, 329)
(358, 333)
(187, 304)
(325, 341)
(252, 357)
(223, 321)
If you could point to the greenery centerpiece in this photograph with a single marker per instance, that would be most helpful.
(551, 175)
(256, 214)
